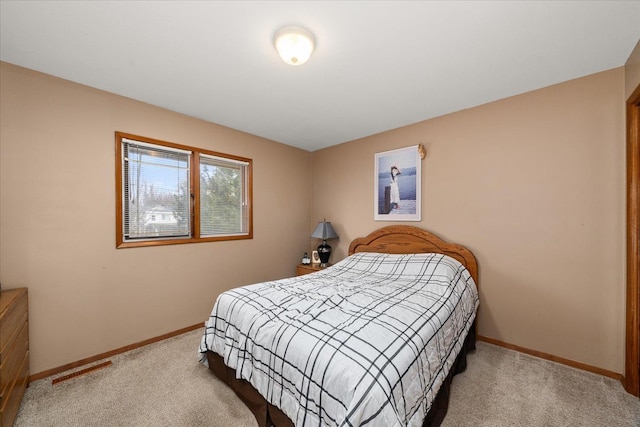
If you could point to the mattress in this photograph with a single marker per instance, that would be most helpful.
(367, 341)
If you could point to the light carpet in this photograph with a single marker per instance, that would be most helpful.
(163, 384)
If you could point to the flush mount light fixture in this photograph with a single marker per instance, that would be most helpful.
(294, 44)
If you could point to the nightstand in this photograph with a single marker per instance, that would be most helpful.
(303, 269)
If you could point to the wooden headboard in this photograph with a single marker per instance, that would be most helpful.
(405, 239)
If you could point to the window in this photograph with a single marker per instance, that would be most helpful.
(169, 194)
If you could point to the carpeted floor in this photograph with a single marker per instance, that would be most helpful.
(506, 388)
(164, 385)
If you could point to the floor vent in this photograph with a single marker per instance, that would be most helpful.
(80, 372)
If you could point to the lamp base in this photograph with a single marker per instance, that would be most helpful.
(324, 252)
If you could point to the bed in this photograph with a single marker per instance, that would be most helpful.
(374, 339)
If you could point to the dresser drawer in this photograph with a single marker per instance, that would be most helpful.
(14, 352)
(12, 358)
(15, 314)
(11, 401)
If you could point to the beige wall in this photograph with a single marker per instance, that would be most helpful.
(57, 222)
(534, 185)
(632, 72)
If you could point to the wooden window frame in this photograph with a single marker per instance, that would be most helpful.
(194, 176)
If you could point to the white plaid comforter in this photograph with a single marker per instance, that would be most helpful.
(367, 341)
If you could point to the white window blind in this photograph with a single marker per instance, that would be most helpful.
(156, 191)
(223, 196)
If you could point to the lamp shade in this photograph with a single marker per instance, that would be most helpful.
(294, 44)
(324, 231)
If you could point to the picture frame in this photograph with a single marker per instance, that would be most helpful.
(397, 184)
(315, 258)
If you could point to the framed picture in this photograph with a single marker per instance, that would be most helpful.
(315, 258)
(398, 176)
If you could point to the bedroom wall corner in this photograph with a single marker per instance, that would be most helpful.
(632, 72)
(534, 186)
(57, 211)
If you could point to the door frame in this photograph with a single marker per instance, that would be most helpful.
(632, 354)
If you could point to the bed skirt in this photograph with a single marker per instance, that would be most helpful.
(268, 415)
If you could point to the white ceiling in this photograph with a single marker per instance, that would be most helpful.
(377, 65)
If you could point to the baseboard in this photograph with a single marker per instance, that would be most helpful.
(542, 355)
(546, 356)
(73, 365)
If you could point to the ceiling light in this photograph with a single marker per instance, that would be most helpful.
(294, 44)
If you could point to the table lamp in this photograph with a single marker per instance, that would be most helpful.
(324, 231)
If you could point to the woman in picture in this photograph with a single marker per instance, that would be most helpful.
(395, 192)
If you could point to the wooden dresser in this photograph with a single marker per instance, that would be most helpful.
(14, 352)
